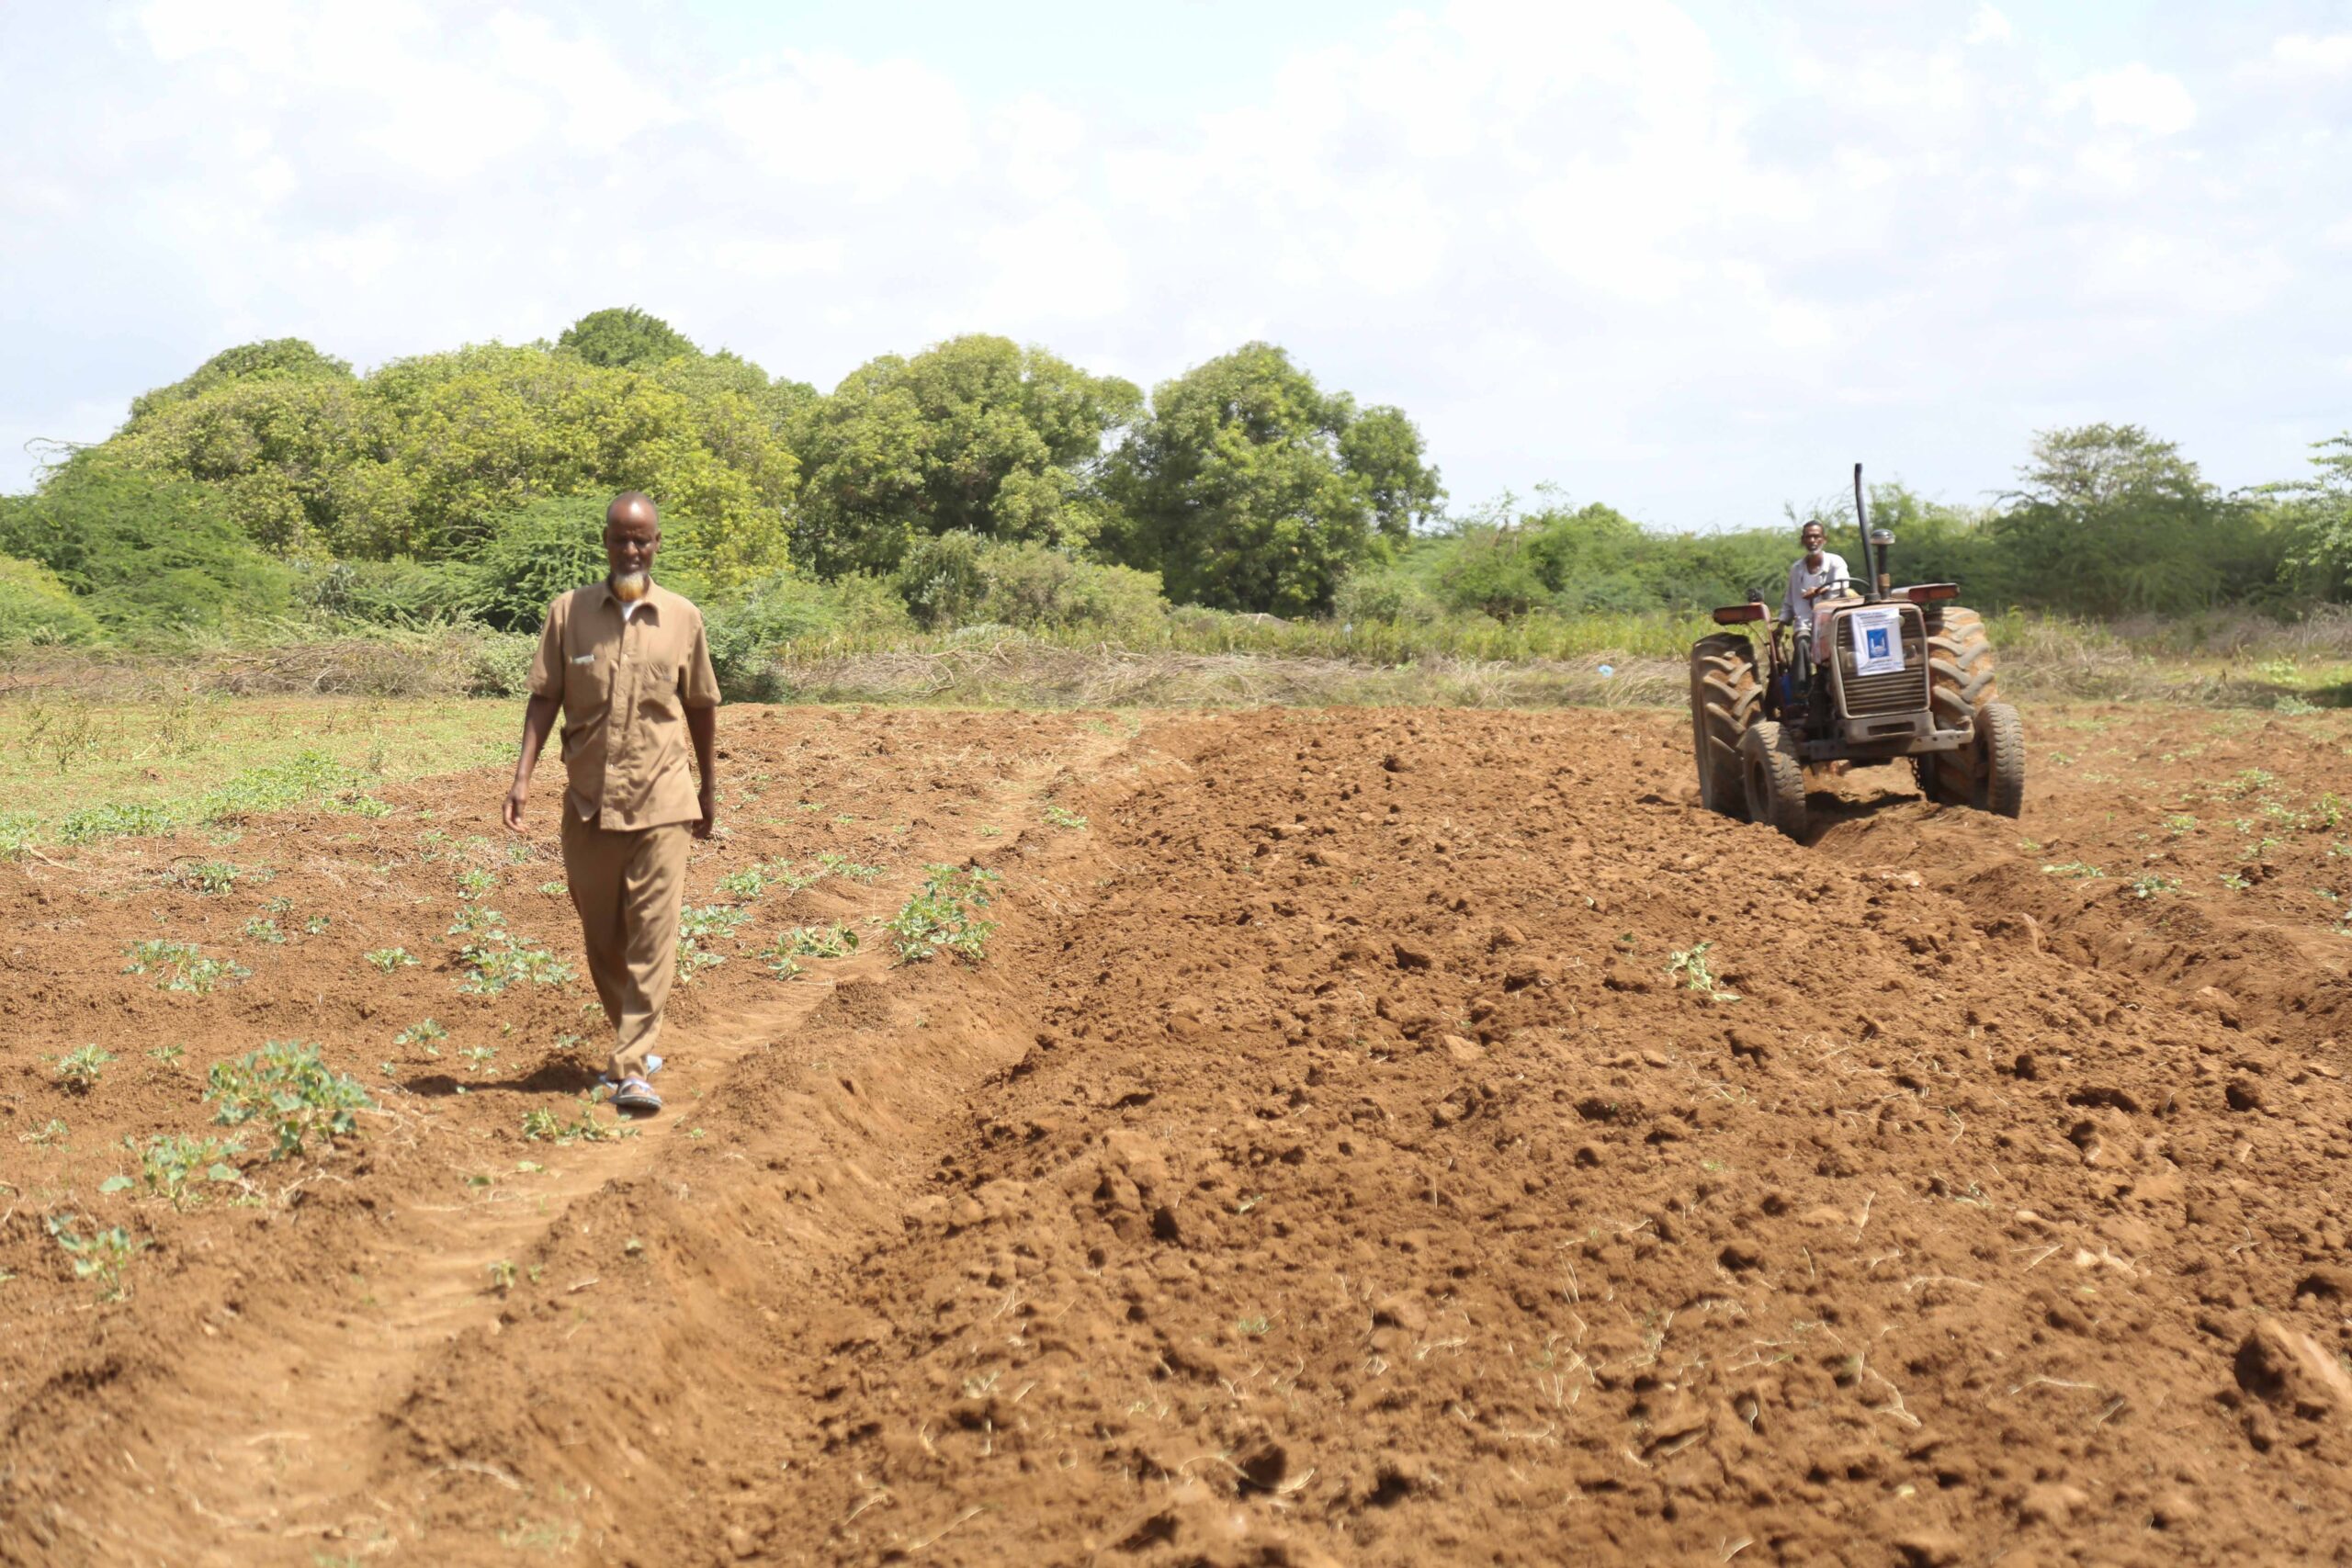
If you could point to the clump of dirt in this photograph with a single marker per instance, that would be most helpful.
(1374, 1138)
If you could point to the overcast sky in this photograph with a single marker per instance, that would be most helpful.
(1690, 261)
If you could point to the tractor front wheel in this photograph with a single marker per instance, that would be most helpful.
(1775, 778)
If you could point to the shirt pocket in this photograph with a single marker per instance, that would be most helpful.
(587, 687)
(657, 688)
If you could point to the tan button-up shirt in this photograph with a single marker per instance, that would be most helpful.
(625, 683)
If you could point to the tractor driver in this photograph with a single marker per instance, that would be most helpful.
(1818, 574)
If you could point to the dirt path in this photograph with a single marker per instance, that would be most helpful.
(1373, 1138)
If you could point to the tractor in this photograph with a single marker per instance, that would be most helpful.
(1886, 673)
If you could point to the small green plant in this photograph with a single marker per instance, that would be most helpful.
(286, 1088)
(210, 879)
(752, 881)
(2234, 882)
(476, 923)
(315, 926)
(1059, 816)
(2074, 868)
(543, 1126)
(502, 1276)
(47, 1135)
(261, 927)
(479, 1057)
(390, 958)
(2293, 707)
(498, 960)
(172, 1166)
(102, 1257)
(78, 1071)
(473, 882)
(167, 1055)
(2253, 781)
(836, 940)
(180, 966)
(2180, 822)
(1256, 1327)
(1691, 964)
(2149, 886)
(554, 889)
(843, 867)
(698, 925)
(423, 1032)
(16, 829)
(940, 918)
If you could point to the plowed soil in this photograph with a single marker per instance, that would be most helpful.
(1382, 1137)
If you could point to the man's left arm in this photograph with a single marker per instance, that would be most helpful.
(698, 691)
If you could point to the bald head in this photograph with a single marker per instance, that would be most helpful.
(632, 535)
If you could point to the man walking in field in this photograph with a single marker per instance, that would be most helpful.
(628, 664)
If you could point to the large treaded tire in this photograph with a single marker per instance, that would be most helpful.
(1724, 701)
(2000, 737)
(1960, 682)
(1775, 778)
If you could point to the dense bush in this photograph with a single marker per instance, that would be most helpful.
(35, 608)
(958, 580)
(530, 555)
(745, 628)
(144, 558)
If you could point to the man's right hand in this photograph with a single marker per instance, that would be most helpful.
(516, 798)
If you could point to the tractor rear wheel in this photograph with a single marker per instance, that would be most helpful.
(1724, 702)
(1775, 778)
(1960, 684)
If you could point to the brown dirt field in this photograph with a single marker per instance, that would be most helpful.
(1325, 1165)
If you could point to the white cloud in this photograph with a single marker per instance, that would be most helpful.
(2132, 97)
(1989, 26)
(1688, 268)
(2306, 54)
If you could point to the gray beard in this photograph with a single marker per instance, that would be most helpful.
(630, 587)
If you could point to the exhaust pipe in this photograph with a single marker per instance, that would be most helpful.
(1878, 540)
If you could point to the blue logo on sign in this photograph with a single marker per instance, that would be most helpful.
(1878, 643)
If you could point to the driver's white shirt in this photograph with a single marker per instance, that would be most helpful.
(1797, 608)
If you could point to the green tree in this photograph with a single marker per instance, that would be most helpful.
(2318, 510)
(276, 359)
(2112, 520)
(625, 338)
(143, 555)
(1250, 488)
(976, 435)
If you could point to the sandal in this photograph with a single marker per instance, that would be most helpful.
(652, 1066)
(636, 1097)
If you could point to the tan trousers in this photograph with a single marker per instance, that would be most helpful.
(627, 887)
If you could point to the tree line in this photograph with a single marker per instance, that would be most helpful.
(980, 479)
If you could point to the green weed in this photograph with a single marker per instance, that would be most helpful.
(499, 961)
(420, 1032)
(102, 1257)
(1059, 816)
(286, 1088)
(390, 958)
(78, 1071)
(1691, 964)
(939, 917)
(261, 927)
(210, 879)
(172, 1165)
(2149, 886)
(181, 966)
(47, 1136)
(2074, 868)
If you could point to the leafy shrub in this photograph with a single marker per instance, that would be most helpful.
(144, 556)
(171, 1166)
(402, 592)
(746, 629)
(529, 556)
(288, 1088)
(959, 580)
(37, 609)
(941, 916)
